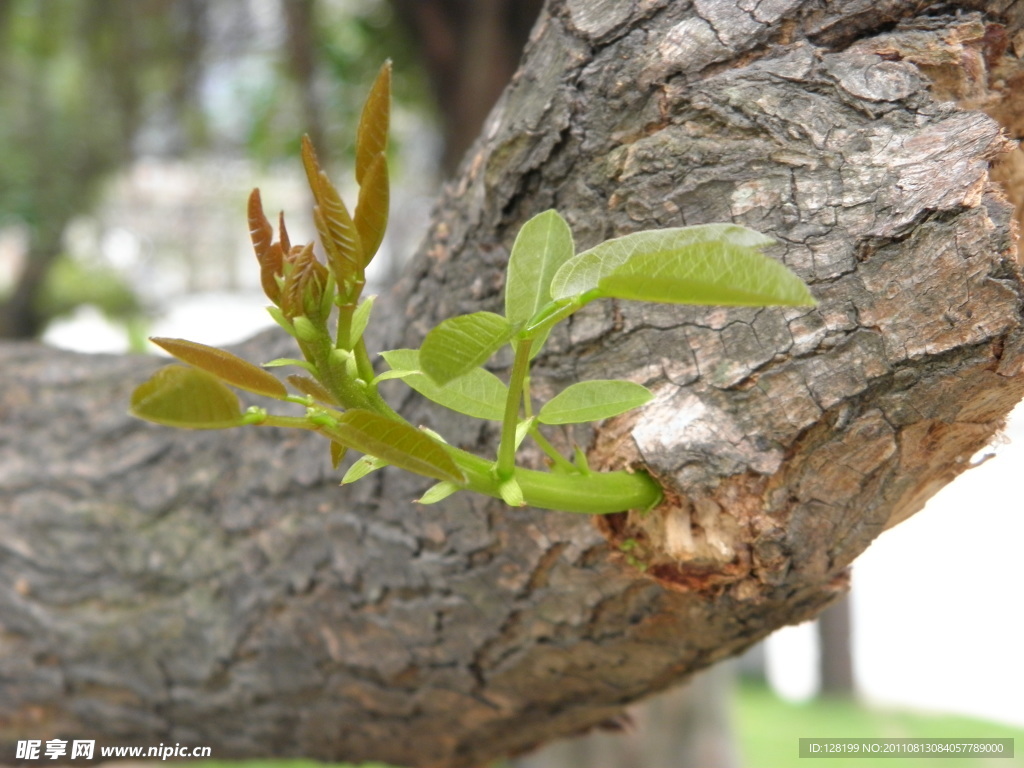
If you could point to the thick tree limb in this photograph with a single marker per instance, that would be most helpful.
(219, 589)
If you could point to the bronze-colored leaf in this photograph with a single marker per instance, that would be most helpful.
(374, 123)
(225, 366)
(268, 253)
(313, 388)
(371, 217)
(260, 230)
(286, 243)
(338, 234)
(312, 166)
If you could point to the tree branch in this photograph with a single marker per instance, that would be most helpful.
(219, 589)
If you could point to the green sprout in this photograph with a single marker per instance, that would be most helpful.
(321, 306)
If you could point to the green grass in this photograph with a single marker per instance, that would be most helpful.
(769, 728)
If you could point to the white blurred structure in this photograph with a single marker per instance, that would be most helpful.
(937, 602)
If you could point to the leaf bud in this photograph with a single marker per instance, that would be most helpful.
(305, 283)
(305, 330)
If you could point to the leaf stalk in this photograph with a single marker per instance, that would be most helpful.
(507, 447)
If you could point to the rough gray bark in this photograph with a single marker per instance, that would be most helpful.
(219, 589)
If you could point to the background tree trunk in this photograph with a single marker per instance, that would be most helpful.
(687, 727)
(219, 589)
(470, 49)
(835, 639)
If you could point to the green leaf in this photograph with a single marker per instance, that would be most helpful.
(396, 443)
(579, 458)
(406, 361)
(362, 466)
(181, 396)
(438, 492)
(479, 393)
(361, 318)
(539, 341)
(389, 375)
(283, 361)
(592, 401)
(710, 274)
(523, 429)
(433, 434)
(338, 452)
(542, 246)
(460, 344)
(511, 493)
(281, 320)
(584, 272)
(225, 366)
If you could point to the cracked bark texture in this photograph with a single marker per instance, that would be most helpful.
(220, 589)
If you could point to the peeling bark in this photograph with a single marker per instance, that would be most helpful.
(219, 589)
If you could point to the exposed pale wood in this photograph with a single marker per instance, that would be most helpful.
(219, 589)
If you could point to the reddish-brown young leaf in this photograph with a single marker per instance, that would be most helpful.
(338, 234)
(268, 253)
(225, 366)
(371, 217)
(374, 123)
(334, 256)
(260, 230)
(312, 167)
(286, 243)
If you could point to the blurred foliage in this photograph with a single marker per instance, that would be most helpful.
(770, 729)
(79, 79)
(72, 283)
(331, 51)
(86, 86)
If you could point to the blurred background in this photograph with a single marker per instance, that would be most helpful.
(131, 132)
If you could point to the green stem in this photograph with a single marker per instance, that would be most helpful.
(551, 451)
(347, 303)
(343, 332)
(507, 447)
(600, 493)
(347, 392)
(363, 364)
(556, 311)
